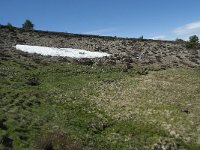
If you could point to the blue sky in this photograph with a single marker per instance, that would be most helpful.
(157, 19)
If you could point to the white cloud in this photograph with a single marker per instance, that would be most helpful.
(106, 31)
(191, 28)
(159, 37)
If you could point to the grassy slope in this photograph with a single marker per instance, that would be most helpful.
(97, 107)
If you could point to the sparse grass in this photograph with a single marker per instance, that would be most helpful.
(91, 107)
(168, 100)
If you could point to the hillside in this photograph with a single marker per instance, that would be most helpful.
(123, 50)
(145, 96)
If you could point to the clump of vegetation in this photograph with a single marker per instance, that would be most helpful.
(141, 37)
(33, 81)
(193, 42)
(28, 25)
(179, 40)
(10, 26)
(57, 140)
(7, 142)
(141, 69)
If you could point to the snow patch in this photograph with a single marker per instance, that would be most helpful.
(64, 52)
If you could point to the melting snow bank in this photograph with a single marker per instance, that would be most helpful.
(64, 52)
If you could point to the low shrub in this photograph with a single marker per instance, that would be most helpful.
(57, 140)
(33, 81)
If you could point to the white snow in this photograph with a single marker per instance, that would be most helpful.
(64, 52)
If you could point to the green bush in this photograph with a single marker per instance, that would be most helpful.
(193, 42)
(10, 26)
(33, 81)
(28, 25)
(141, 37)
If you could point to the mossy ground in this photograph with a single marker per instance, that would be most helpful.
(97, 107)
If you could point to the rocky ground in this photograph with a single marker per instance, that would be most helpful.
(123, 50)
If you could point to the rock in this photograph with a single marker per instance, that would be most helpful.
(185, 110)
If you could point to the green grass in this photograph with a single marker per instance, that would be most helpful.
(97, 107)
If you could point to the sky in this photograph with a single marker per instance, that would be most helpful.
(152, 19)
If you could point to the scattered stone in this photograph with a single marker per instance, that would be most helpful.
(123, 50)
(185, 110)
